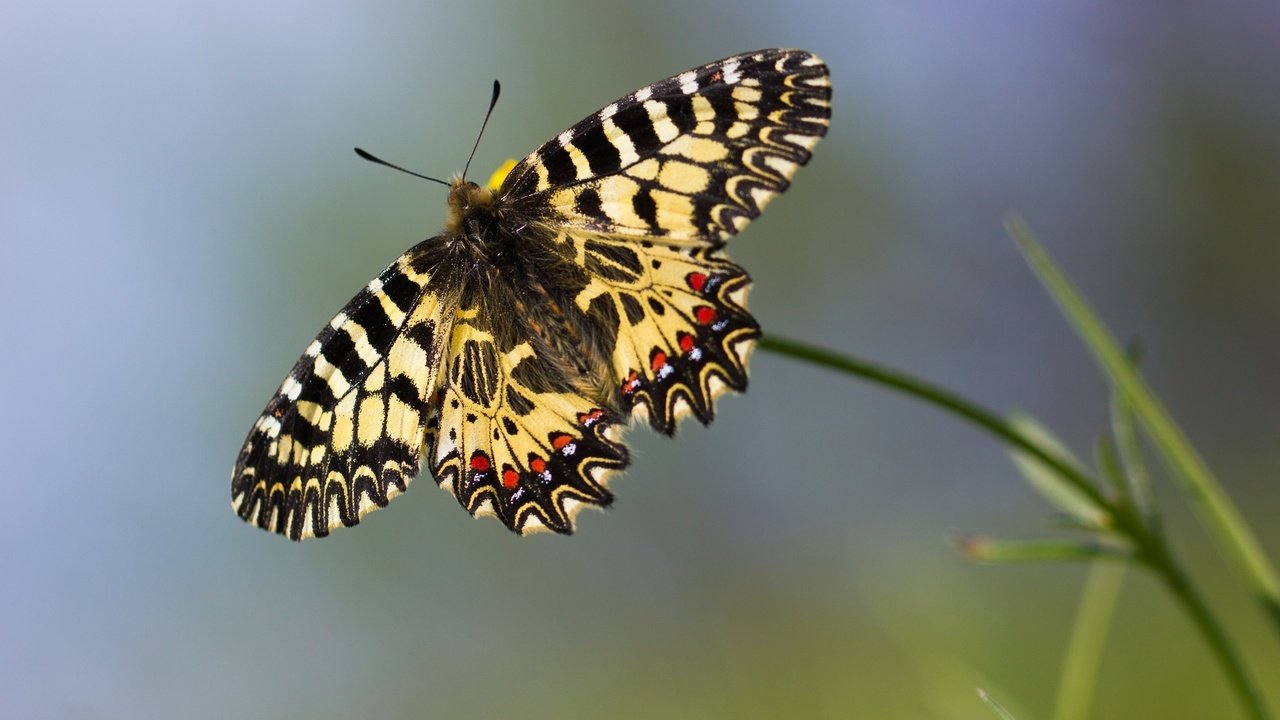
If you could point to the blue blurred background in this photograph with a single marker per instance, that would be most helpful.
(180, 212)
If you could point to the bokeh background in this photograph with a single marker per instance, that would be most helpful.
(180, 212)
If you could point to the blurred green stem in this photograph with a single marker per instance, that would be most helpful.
(1088, 639)
(1150, 547)
(934, 395)
(1203, 491)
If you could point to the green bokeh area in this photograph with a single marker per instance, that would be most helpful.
(180, 212)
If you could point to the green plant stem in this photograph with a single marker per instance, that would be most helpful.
(1228, 658)
(1204, 493)
(934, 395)
(1150, 548)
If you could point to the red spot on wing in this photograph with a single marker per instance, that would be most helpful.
(510, 478)
(696, 280)
(559, 441)
(480, 463)
(659, 359)
(705, 314)
(538, 465)
(686, 342)
(588, 419)
(631, 383)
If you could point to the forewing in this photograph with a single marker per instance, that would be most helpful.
(510, 439)
(688, 160)
(344, 433)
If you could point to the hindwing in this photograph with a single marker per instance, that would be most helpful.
(684, 334)
(510, 439)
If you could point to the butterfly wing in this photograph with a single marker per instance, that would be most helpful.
(648, 189)
(689, 159)
(514, 436)
(344, 433)
(683, 331)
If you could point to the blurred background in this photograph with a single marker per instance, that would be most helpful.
(180, 212)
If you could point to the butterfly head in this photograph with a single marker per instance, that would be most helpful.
(467, 200)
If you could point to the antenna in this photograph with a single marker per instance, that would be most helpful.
(492, 101)
(375, 159)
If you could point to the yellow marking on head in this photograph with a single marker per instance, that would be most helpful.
(495, 180)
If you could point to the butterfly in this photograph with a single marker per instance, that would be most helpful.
(591, 287)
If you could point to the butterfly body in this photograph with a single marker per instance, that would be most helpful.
(509, 352)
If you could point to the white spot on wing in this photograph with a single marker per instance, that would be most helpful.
(688, 82)
(731, 75)
(269, 425)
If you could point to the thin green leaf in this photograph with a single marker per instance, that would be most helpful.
(1137, 479)
(1108, 461)
(988, 549)
(1204, 492)
(1056, 488)
(1088, 639)
(1000, 711)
